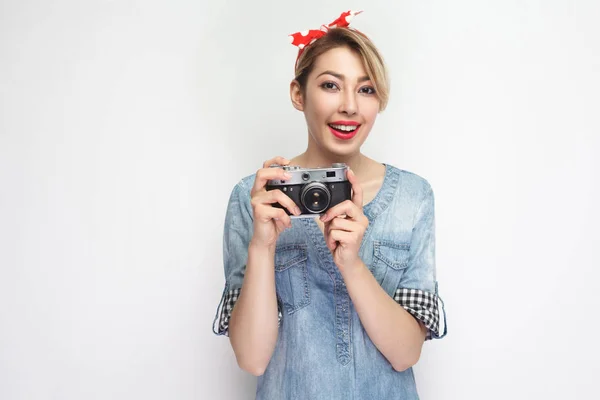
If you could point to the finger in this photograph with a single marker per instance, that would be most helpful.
(346, 207)
(266, 174)
(357, 193)
(343, 224)
(328, 240)
(277, 196)
(265, 213)
(331, 227)
(277, 160)
(281, 226)
(283, 218)
(344, 238)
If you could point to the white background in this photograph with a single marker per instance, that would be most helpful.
(125, 124)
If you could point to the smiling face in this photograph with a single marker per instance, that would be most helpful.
(339, 103)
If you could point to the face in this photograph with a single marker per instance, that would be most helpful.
(340, 104)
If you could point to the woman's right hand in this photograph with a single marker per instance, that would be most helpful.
(270, 221)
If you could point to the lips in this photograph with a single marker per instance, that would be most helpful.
(344, 130)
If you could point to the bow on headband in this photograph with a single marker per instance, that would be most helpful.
(305, 38)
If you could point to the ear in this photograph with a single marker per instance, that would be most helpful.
(296, 95)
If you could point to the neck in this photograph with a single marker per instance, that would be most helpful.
(315, 157)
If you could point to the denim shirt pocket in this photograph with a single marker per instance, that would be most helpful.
(291, 276)
(390, 259)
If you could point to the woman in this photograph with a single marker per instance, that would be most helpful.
(336, 307)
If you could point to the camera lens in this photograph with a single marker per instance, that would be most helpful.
(315, 197)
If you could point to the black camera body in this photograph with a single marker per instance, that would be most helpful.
(314, 190)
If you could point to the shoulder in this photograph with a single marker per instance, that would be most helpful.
(410, 183)
(244, 186)
(239, 197)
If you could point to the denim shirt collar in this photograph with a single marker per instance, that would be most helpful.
(385, 194)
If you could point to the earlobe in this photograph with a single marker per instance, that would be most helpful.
(296, 96)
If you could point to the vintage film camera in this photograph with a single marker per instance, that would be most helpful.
(314, 190)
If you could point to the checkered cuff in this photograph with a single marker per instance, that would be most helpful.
(424, 307)
(228, 301)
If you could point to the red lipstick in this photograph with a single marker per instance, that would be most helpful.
(344, 135)
(353, 123)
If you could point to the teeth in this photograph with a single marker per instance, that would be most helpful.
(345, 128)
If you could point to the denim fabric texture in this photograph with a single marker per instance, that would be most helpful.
(323, 351)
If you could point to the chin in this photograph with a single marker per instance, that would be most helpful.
(343, 151)
(345, 148)
(340, 148)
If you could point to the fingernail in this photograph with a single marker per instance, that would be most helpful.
(297, 211)
(324, 217)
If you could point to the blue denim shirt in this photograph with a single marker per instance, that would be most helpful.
(323, 350)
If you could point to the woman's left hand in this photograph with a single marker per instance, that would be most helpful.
(345, 225)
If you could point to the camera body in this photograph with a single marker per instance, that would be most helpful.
(314, 190)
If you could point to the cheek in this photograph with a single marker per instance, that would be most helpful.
(320, 108)
(370, 110)
(325, 104)
(313, 118)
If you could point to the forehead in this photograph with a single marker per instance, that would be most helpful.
(341, 60)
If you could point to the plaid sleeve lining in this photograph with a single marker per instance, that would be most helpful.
(229, 301)
(424, 307)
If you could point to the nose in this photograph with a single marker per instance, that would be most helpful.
(348, 103)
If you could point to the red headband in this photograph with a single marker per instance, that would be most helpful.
(305, 38)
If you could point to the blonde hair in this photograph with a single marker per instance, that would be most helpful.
(355, 41)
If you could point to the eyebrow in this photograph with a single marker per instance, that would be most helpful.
(342, 77)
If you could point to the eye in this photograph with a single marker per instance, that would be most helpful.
(367, 90)
(329, 85)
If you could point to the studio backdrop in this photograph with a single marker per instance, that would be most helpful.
(124, 126)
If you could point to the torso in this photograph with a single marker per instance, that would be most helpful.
(319, 322)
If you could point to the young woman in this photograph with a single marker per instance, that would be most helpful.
(335, 307)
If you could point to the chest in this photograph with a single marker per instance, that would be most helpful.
(370, 190)
(305, 269)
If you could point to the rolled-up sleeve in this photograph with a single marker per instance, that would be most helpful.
(417, 292)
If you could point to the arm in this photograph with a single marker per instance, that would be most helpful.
(252, 226)
(391, 323)
(399, 330)
(396, 333)
(253, 323)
